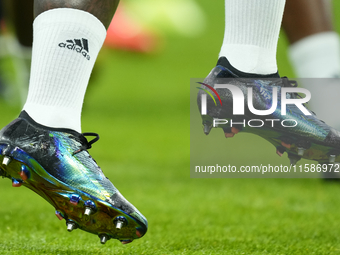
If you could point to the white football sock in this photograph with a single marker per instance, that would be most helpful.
(316, 56)
(251, 34)
(65, 47)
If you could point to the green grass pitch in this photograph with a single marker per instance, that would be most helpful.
(139, 104)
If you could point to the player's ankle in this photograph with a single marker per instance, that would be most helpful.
(54, 117)
(223, 61)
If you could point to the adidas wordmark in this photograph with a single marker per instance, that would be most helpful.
(80, 46)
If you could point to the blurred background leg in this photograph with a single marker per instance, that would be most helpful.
(314, 52)
(16, 41)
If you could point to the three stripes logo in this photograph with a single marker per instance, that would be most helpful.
(79, 45)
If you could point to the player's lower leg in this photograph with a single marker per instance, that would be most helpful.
(43, 149)
(249, 51)
(315, 52)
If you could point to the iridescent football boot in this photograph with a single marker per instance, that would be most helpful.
(55, 164)
(300, 135)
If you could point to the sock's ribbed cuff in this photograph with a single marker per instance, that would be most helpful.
(66, 16)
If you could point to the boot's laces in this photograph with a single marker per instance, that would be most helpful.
(87, 144)
(291, 83)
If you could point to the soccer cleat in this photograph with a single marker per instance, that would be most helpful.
(71, 226)
(332, 159)
(74, 199)
(16, 183)
(59, 215)
(310, 138)
(300, 151)
(88, 211)
(24, 173)
(90, 208)
(120, 222)
(293, 159)
(278, 152)
(55, 164)
(207, 128)
(103, 238)
(6, 161)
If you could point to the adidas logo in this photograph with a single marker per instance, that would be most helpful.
(80, 46)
